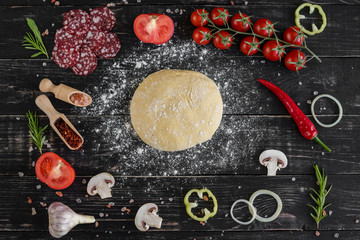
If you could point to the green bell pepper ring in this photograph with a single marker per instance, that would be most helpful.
(191, 205)
(312, 7)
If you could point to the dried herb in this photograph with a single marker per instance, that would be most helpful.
(36, 132)
(321, 194)
(34, 42)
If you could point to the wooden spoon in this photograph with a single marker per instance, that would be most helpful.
(65, 93)
(45, 105)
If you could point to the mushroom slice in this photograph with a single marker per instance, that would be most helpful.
(273, 160)
(101, 184)
(146, 217)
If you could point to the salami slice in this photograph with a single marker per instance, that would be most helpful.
(103, 18)
(111, 46)
(63, 38)
(94, 39)
(65, 59)
(76, 22)
(86, 64)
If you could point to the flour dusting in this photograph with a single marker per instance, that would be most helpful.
(114, 142)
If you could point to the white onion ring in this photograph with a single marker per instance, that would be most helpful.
(252, 211)
(274, 195)
(336, 101)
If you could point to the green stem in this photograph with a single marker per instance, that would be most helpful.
(317, 139)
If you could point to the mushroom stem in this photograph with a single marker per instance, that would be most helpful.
(272, 166)
(85, 219)
(152, 219)
(104, 190)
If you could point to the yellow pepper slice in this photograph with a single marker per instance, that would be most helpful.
(191, 205)
(312, 7)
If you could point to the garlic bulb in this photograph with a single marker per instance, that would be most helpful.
(62, 219)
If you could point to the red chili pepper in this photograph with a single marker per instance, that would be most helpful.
(306, 127)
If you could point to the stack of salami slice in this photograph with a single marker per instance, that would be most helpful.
(83, 37)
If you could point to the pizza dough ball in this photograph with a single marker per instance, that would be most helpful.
(173, 110)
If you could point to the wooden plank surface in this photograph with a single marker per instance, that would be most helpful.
(254, 120)
(334, 41)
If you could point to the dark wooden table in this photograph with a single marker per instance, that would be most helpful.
(254, 120)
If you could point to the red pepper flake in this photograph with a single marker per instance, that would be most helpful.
(52, 1)
(231, 2)
(70, 136)
(202, 223)
(86, 195)
(206, 198)
(59, 193)
(108, 206)
(96, 224)
(317, 233)
(29, 200)
(128, 210)
(324, 213)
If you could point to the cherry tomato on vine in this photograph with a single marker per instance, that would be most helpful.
(293, 35)
(264, 27)
(240, 22)
(54, 171)
(202, 35)
(249, 45)
(153, 28)
(197, 20)
(217, 15)
(272, 51)
(223, 40)
(295, 60)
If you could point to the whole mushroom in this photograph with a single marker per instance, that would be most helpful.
(273, 160)
(101, 184)
(146, 217)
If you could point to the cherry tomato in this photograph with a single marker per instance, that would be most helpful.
(249, 45)
(224, 41)
(271, 50)
(240, 22)
(295, 60)
(217, 15)
(197, 20)
(294, 36)
(263, 27)
(202, 35)
(54, 171)
(154, 28)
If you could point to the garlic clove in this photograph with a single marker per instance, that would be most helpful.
(62, 219)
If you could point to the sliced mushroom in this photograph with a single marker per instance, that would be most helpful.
(273, 160)
(146, 217)
(101, 184)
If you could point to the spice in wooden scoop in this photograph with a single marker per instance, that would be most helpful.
(70, 136)
(80, 99)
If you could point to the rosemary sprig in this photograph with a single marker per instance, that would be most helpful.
(217, 29)
(34, 42)
(36, 132)
(321, 194)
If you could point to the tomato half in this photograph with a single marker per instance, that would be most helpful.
(54, 171)
(224, 41)
(264, 27)
(218, 15)
(154, 28)
(293, 35)
(249, 45)
(197, 20)
(295, 60)
(202, 35)
(272, 51)
(240, 22)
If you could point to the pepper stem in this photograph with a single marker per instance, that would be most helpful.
(317, 139)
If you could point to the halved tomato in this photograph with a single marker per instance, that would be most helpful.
(154, 28)
(54, 171)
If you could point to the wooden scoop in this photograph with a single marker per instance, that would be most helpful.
(45, 105)
(65, 93)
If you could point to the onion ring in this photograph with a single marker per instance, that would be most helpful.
(274, 195)
(336, 101)
(252, 211)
